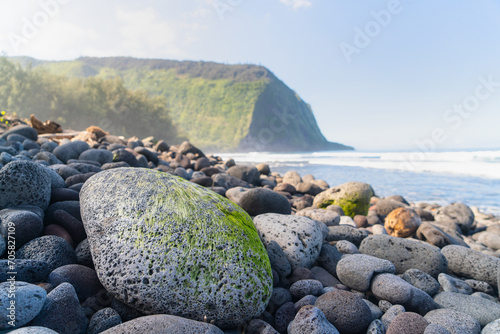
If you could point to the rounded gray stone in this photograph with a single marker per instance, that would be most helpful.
(24, 183)
(346, 247)
(258, 201)
(306, 287)
(469, 263)
(306, 300)
(26, 226)
(163, 324)
(346, 232)
(356, 270)
(405, 253)
(454, 321)
(492, 328)
(54, 250)
(345, 310)
(299, 237)
(460, 213)
(397, 291)
(422, 281)
(376, 311)
(436, 329)
(483, 310)
(329, 217)
(311, 320)
(102, 320)
(99, 155)
(165, 245)
(407, 323)
(62, 311)
(71, 150)
(257, 326)
(28, 302)
(30, 271)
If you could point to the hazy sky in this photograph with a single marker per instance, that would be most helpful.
(379, 75)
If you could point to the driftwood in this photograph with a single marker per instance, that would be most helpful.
(50, 127)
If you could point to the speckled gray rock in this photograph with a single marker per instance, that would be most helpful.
(54, 250)
(479, 286)
(352, 197)
(258, 201)
(299, 237)
(436, 329)
(469, 263)
(33, 330)
(62, 311)
(165, 245)
(163, 324)
(346, 232)
(324, 276)
(306, 287)
(376, 327)
(346, 247)
(483, 310)
(391, 314)
(452, 284)
(356, 270)
(24, 183)
(492, 328)
(407, 323)
(422, 281)
(28, 301)
(345, 310)
(398, 291)
(278, 259)
(31, 271)
(71, 150)
(310, 320)
(460, 213)
(405, 253)
(102, 320)
(329, 217)
(455, 322)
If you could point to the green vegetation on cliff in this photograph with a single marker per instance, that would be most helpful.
(216, 106)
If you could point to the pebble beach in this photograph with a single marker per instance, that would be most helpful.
(103, 234)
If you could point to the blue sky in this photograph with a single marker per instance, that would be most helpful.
(379, 75)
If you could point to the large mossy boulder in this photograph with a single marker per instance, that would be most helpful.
(352, 197)
(165, 245)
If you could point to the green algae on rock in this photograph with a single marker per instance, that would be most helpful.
(352, 197)
(165, 245)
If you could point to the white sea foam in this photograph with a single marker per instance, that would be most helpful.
(484, 164)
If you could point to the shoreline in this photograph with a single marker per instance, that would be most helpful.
(95, 235)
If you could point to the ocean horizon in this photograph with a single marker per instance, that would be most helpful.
(441, 177)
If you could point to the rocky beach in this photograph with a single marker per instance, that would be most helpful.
(103, 234)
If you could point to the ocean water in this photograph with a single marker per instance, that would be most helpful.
(471, 177)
